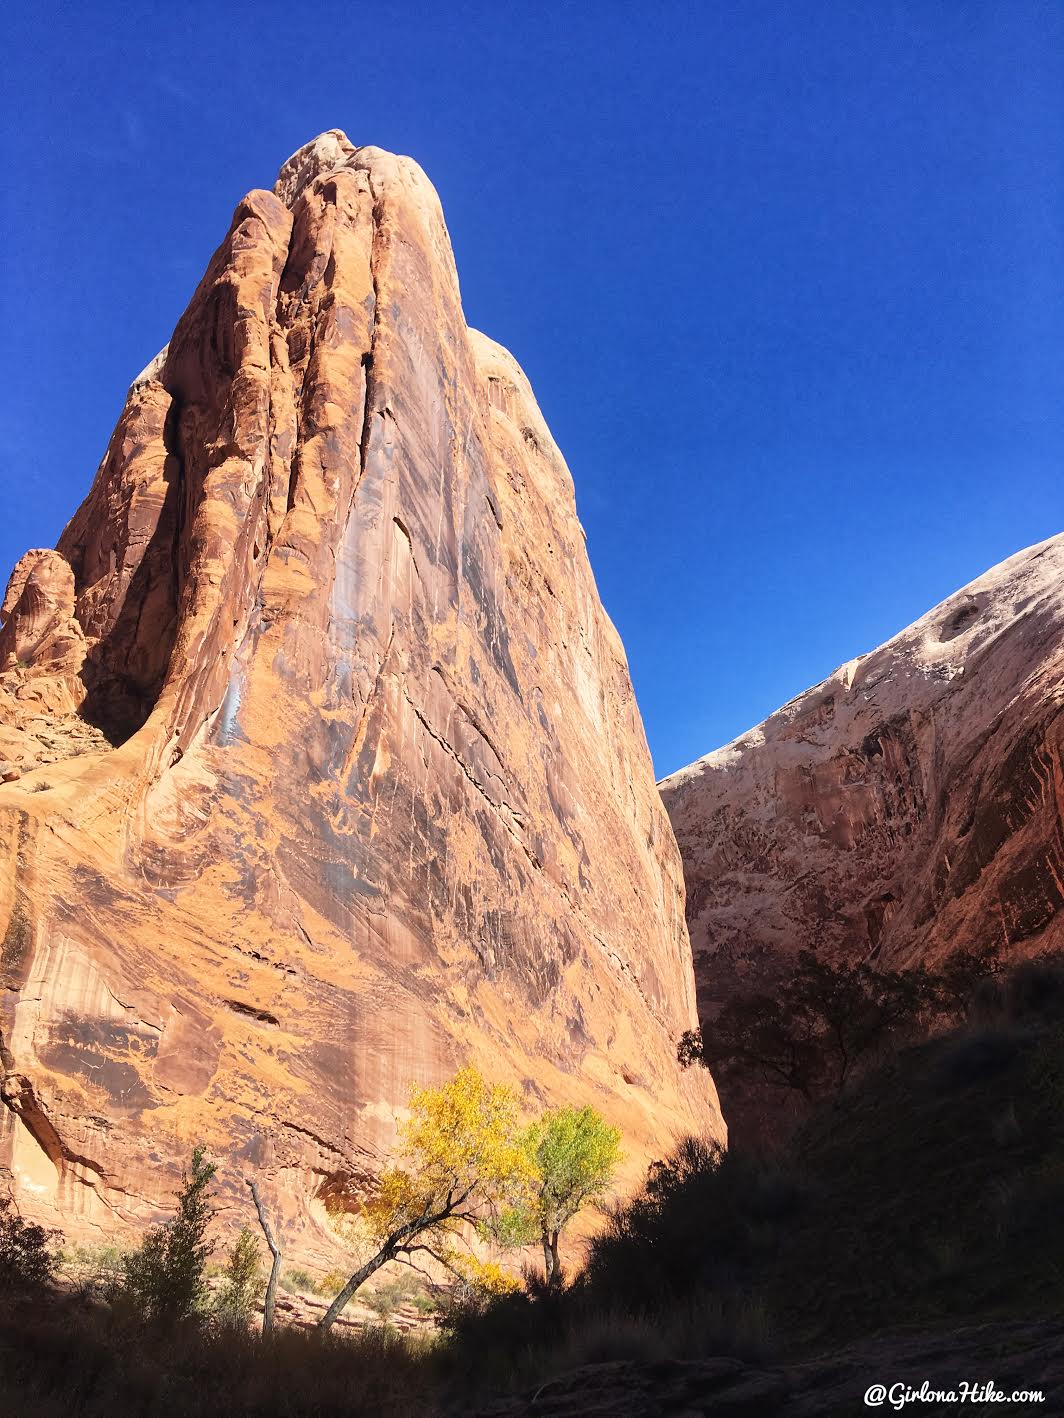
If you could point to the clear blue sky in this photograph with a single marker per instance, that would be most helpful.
(786, 278)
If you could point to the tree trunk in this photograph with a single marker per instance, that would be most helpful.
(551, 1263)
(275, 1268)
(399, 1241)
(383, 1256)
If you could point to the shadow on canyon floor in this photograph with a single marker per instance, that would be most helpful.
(912, 1230)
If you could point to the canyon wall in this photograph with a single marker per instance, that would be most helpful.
(321, 768)
(908, 806)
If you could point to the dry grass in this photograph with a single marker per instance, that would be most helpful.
(60, 1359)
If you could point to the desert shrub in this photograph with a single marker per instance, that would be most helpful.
(392, 1294)
(28, 1257)
(702, 1326)
(503, 1341)
(704, 1219)
(332, 1281)
(234, 1303)
(298, 1281)
(96, 1271)
(69, 1358)
(608, 1336)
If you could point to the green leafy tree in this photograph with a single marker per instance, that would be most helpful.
(164, 1276)
(234, 1303)
(755, 1034)
(575, 1155)
(461, 1161)
(27, 1258)
(810, 1032)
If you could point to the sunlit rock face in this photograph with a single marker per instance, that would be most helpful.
(327, 775)
(909, 805)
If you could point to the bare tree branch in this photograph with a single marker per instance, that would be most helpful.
(440, 1258)
(405, 1260)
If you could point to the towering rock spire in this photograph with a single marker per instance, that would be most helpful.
(358, 789)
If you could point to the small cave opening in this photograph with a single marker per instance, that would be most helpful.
(117, 706)
(959, 620)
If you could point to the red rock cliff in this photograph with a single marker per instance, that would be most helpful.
(324, 772)
(908, 806)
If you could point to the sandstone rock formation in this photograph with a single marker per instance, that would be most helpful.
(331, 772)
(42, 646)
(907, 806)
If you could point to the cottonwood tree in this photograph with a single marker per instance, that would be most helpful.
(756, 1034)
(574, 1155)
(461, 1165)
(963, 976)
(810, 1032)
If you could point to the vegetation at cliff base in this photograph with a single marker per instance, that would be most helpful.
(235, 1302)
(925, 1197)
(27, 1257)
(814, 1030)
(164, 1276)
(574, 1156)
(471, 1181)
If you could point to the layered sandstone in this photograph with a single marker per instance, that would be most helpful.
(329, 775)
(907, 806)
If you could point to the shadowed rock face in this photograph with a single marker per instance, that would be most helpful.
(369, 794)
(908, 806)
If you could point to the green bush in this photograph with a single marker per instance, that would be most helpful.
(165, 1275)
(403, 1289)
(234, 1303)
(96, 1271)
(299, 1281)
(27, 1255)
